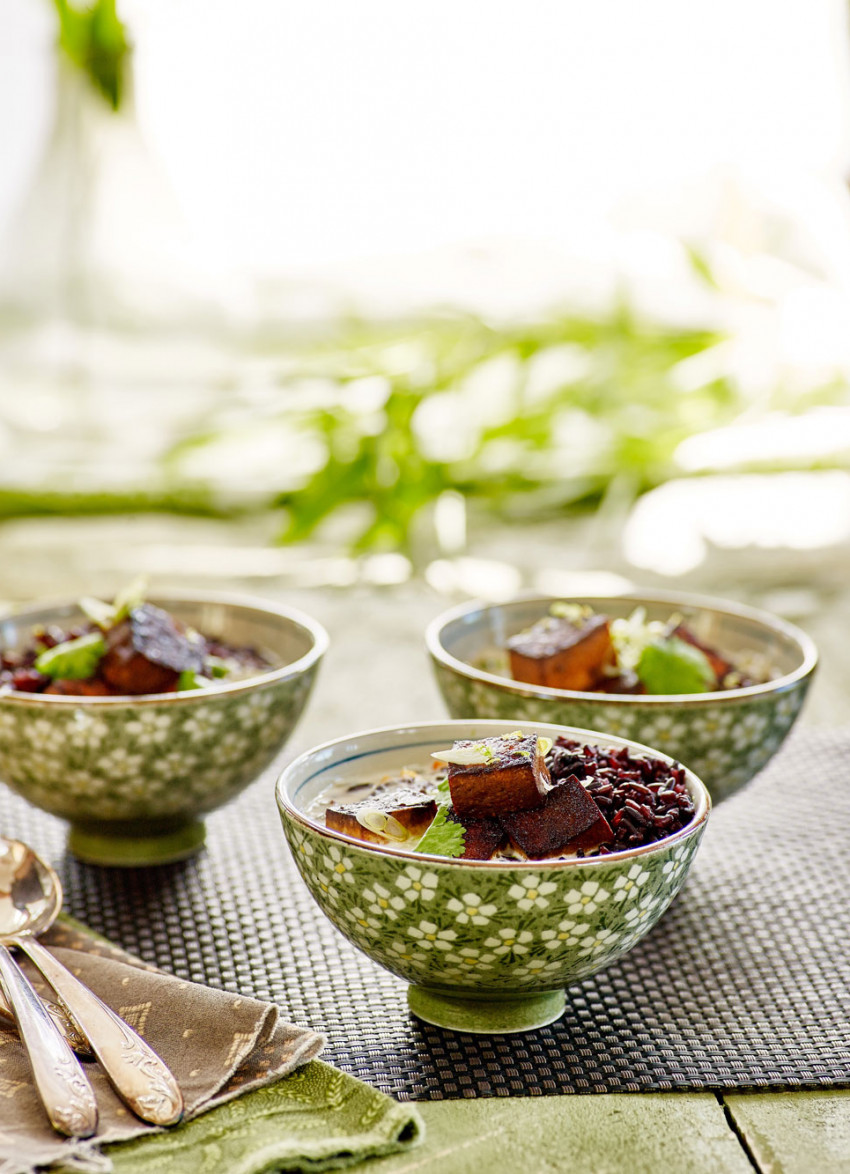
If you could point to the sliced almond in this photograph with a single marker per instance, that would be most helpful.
(100, 613)
(373, 821)
(464, 756)
(393, 830)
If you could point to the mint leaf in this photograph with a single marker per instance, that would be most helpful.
(443, 837)
(673, 666)
(73, 660)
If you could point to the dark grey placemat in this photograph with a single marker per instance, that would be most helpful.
(744, 983)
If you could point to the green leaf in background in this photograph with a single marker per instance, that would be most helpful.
(73, 660)
(673, 666)
(95, 40)
(443, 837)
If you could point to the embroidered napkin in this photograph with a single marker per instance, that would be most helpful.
(219, 1046)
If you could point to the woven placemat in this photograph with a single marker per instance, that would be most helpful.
(745, 983)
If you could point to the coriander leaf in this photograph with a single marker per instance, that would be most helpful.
(443, 837)
(73, 660)
(673, 666)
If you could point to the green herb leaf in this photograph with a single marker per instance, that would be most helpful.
(189, 679)
(73, 660)
(673, 666)
(95, 40)
(443, 837)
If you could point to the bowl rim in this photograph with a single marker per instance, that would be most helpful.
(807, 647)
(702, 796)
(318, 636)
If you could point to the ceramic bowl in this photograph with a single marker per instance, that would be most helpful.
(133, 775)
(487, 946)
(726, 738)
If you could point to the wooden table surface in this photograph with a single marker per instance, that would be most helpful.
(652, 1133)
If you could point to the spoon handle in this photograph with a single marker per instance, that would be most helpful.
(60, 1017)
(136, 1072)
(62, 1085)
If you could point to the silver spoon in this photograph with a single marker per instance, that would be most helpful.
(77, 1042)
(134, 1069)
(61, 1084)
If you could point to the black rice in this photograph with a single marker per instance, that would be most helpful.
(643, 799)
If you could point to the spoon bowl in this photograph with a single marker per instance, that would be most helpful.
(30, 891)
(30, 900)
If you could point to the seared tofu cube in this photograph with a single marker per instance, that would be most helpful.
(147, 652)
(719, 664)
(386, 819)
(562, 654)
(598, 833)
(569, 810)
(484, 837)
(512, 776)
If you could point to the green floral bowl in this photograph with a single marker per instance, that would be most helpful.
(488, 945)
(726, 738)
(133, 775)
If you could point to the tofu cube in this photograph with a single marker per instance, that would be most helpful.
(561, 654)
(369, 820)
(513, 777)
(598, 833)
(484, 837)
(568, 812)
(147, 652)
(719, 664)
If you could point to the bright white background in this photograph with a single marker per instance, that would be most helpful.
(305, 137)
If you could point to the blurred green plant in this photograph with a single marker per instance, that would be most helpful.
(527, 420)
(94, 39)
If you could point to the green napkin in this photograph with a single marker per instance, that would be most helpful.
(317, 1119)
(257, 1099)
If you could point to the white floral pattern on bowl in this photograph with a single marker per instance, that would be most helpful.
(725, 738)
(133, 769)
(477, 936)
